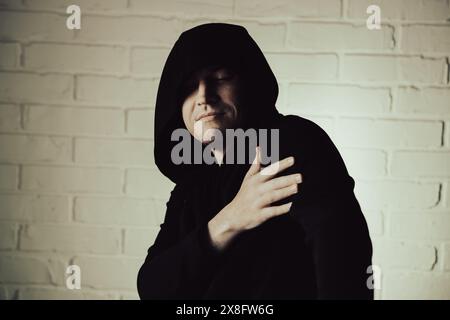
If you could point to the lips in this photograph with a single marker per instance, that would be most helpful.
(208, 115)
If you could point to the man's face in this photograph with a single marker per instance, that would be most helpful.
(212, 99)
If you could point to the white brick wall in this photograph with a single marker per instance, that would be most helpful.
(78, 183)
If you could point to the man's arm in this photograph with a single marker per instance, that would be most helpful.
(175, 267)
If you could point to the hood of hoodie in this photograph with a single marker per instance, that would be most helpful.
(204, 46)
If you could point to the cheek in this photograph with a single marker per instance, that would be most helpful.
(187, 113)
(230, 96)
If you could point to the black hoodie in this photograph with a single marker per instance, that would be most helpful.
(320, 249)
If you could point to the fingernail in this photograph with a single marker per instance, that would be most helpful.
(291, 160)
(290, 205)
(298, 178)
(294, 188)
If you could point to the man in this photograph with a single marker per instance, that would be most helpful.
(293, 230)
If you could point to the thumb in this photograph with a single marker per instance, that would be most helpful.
(256, 165)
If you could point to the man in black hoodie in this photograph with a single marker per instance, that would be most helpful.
(217, 241)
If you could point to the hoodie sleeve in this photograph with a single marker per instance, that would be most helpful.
(175, 267)
(335, 228)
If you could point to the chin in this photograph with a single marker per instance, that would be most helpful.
(209, 136)
(213, 125)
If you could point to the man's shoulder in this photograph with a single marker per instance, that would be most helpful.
(298, 126)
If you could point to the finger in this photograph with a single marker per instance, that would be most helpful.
(276, 195)
(281, 182)
(274, 211)
(256, 165)
(275, 168)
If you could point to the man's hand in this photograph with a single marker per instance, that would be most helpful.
(252, 204)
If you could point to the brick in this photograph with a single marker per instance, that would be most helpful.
(420, 164)
(421, 226)
(22, 87)
(303, 66)
(406, 255)
(8, 177)
(9, 53)
(140, 123)
(27, 269)
(9, 117)
(268, 35)
(148, 183)
(365, 163)
(11, 4)
(129, 296)
(396, 194)
(446, 254)
(62, 294)
(74, 120)
(96, 275)
(63, 57)
(446, 193)
(65, 238)
(116, 91)
(338, 36)
(34, 208)
(446, 137)
(129, 29)
(375, 222)
(12, 291)
(389, 133)
(118, 211)
(425, 38)
(402, 9)
(423, 101)
(85, 5)
(138, 240)
(338, 99)
(8, 236)
(127, 152)
(148, 60)
(416, 286)
(187, 7)
(288, 8)
(393, 69)
(27, 26)
(34, 148)
(71, 179)
(3, 290)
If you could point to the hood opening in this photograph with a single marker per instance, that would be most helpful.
(206, 46)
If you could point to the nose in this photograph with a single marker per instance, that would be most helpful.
(206, 94)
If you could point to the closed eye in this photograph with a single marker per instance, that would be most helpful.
(225, 77)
